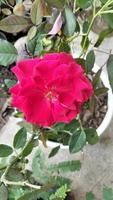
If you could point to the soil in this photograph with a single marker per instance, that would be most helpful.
(5, 109)
(5, 113)
(2, 120)
(95, 118)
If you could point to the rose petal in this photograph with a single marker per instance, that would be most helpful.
(57, 25)
(25, 68)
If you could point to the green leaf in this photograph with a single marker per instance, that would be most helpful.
(91, 136)
(39, 165)
(110, 70)
(8, 53)
(28, 149)
(14, 24)
(15, 175)
(3, 163)
(35, 45)
(70, 22)
(86, 46)
(37, 12)
(32, 33)
(5, 150)
(101, 91)
(3, 192)
(59, 180)
(56, 3)
(64, 47)
(15, 192)
(84, 3)
(63, 131)
(77, 142)
(33, 195)
(107, 193)
(61, 193)
(103, 34)
(85, 26)
(24, 124)
(54, 151)
(109, 19)
(59, 126)
(66, 166)
(90, 60)
(77, 29)
(90, 196)
(9, 83)
(96, 79)
(20, 139)
(72, 126)
(81, 62)
(103, 1)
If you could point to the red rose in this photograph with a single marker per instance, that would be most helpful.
(51, 89)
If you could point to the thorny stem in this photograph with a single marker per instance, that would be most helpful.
(87, 34)
(3, 177)
(100, 12)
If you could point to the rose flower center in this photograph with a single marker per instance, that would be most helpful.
(51, 95)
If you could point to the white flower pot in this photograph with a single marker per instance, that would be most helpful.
(108, 116)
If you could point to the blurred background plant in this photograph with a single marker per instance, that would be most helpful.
(37, 179)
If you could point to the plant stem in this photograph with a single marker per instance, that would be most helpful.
(82, 129)
(68, 132)
(100, 12)
(3, 177)
(22, 184)
(94, 8)
(70, 39)
(109, 2)
(106, 12)
(74, 7)
(87, 34)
